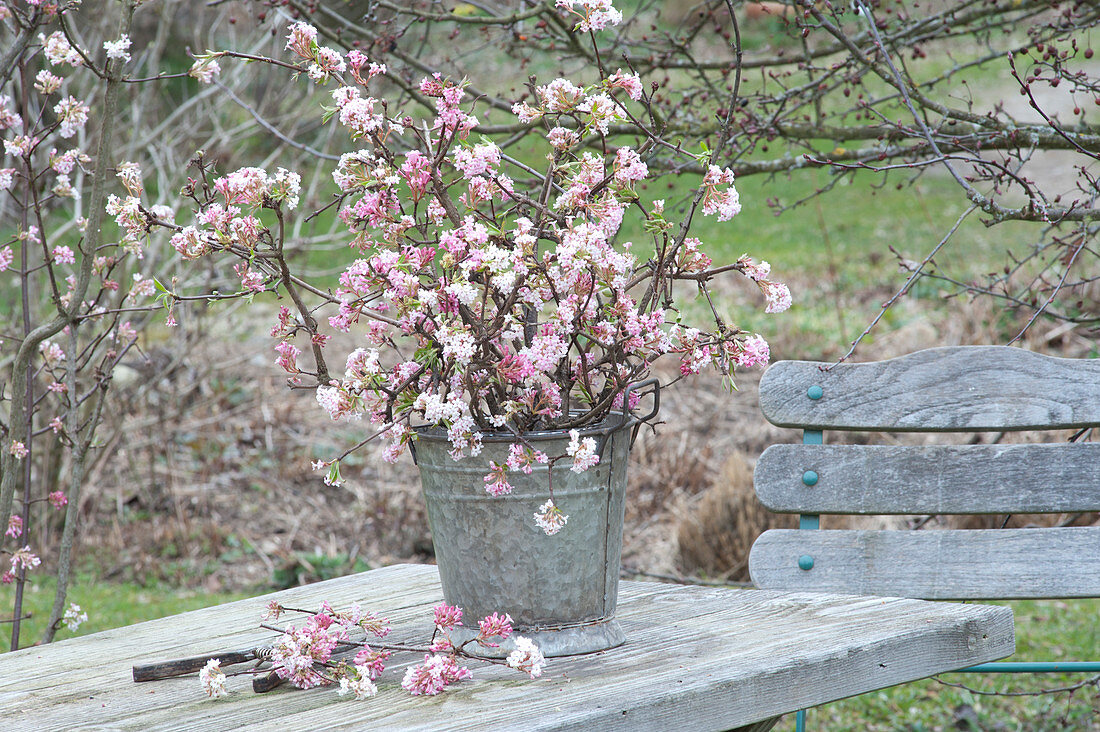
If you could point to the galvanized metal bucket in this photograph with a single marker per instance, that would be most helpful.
(560, 590)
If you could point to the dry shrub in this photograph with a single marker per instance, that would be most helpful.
(717, 533)
(206, 478)
(664, 467)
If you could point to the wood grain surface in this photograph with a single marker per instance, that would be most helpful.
(962, 388)
(934, 565)
(927, 479)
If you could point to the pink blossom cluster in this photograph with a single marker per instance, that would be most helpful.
(494, 626)
(434, 675)
(521, 458)
(63, 255)
(52, 353)
(74, 617)
(477, 159)
(21, 145)
(212, 678)
(527, 658)
(205, 67)
(753, 351)
(302, 655)
(307, 655)
(583, 452)
(72, 115)
(119, 48)
(21, 559)
(46, 82)
(496, 480)
(776, 294)
(725, 203)
(447, 616)
(593, 15)
(441, 667)
(58, 50)
(9, 119)
(252, 281)
(629, 167)
(631, 83)
(550, 518)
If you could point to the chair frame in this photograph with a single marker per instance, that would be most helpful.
(779, 401)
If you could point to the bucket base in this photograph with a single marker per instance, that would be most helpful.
(571, 640)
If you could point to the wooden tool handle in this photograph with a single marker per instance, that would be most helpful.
(265, 683)
(181, 666)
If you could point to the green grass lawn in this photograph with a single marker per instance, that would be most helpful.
(1046, 630)
(108, 604)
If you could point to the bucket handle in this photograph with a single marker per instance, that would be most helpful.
(633, 421)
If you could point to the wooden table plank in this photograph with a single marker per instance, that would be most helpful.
(696, 658)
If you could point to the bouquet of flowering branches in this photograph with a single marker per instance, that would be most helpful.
(489, 294)
(309, 654)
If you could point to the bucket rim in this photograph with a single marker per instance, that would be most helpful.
(614, 422)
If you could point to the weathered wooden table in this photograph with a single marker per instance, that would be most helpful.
(696, 658)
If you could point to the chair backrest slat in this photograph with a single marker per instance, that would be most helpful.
(933, 565)
(960, 389)
(957, 389)
(930, 479)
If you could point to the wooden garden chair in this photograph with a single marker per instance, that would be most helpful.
(957, 389)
